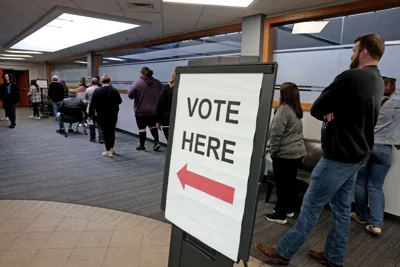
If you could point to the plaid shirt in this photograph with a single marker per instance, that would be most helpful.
(36, 97)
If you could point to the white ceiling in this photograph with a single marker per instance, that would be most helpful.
(167, 19)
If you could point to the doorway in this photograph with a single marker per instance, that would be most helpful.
(21, 79)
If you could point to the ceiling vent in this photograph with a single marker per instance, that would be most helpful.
(140, 6)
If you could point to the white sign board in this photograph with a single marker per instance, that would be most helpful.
(213, 140)
(42, 83)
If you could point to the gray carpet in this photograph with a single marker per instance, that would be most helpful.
(38, 164)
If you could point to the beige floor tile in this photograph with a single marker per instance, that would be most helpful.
(72, 225)
(6, 239)
(129, 220)
(63, 240)
(50, 216)
(75, 211)
(55, 208)
(29, 241)
(17, 204)
(67, 209)
(87, 257)
(43, 225)
(14, 225)
(122, 257)
(6, 214)
(95, 226)
(16, 258)
(151, 227)
(149, 241)
(105, 215)
(4, 203)
(25, 215)
(137, 222)
(97, 213)
(86, 212)
(50, 258)
(126, 239)
(41, 206)
(162, 233)
(154, 256)
(121, 218)
(95, 240)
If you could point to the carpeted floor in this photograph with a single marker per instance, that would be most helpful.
(38, 164)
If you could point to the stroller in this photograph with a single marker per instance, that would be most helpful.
(73, 110)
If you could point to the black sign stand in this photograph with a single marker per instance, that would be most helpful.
(185, 250)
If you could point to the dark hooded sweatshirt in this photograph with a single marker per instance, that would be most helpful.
(145, 92)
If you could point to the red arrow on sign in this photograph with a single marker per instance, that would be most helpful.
(208, 186)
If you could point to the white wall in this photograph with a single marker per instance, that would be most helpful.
(70, 76)
(36, 70)
(123, 75)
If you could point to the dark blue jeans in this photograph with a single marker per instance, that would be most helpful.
(56, 107)
(92, 129)
(331, 182)
(369, 185)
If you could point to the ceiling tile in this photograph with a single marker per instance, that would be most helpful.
(180, 18)
(106, 6)
(217, 15)
(49, 4)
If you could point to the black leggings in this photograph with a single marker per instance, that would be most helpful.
(285, 172)
(108, 127)
(10, 111)
(35, 109)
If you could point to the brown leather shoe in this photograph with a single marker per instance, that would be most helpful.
(272, 254)
(319, 257)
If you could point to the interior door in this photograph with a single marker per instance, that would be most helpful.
(22, 81)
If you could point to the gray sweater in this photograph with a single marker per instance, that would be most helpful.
(286, 135)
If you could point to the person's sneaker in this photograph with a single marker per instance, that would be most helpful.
(374, 230)
(273, 218)
(12, 126)
(38, 118)
(113, 151)
(355, 218)
(107, 154)
(141, 148)
(93, 140)
(5, 119)
(289, 215)
(156, 146)
(320, 258)
(101, 141)
(70, 131)
(60, 131)
(32, 117)
(270, 253)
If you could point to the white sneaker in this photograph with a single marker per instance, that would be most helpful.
(4, 119)
(31, 117)
(38, 118)
(289, 215)
(107, 154)
(113, 151)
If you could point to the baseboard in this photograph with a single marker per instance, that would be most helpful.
(137, 136)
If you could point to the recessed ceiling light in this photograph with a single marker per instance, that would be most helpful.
(8, 55)
(23, 52)
(73, 30)
(12, 58)
(81, 62)
(114, 58)
(234, 3)
(309, 27)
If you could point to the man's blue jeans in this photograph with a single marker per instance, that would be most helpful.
(369, 185)
(92, 129)
(56, 107)
(331, 182)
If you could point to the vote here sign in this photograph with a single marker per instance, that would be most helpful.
(210, 159)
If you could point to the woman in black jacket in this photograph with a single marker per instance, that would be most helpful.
(9, 94)
(164, 106)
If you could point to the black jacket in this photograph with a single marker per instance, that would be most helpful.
(13, 97)
(105, 103)
(354, 98)
(164, 105)
(56, 92)
(72, 109)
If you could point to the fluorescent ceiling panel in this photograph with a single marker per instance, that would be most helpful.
(114, 58)
(8, 55)
(23, 52)
(309, 27)
(69, 30)
(12, 58)
(234, 3)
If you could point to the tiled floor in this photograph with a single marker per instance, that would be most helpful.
(51, 234)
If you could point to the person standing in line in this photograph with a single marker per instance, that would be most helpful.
(164, 106)
(66, 89)
(145, 92)
(56, 95)
(36, 98)
(9, 94)
(351, 106)
(98, 78)
(105, 103)
(370, 179)
(287, 149)
(80, 91)
(92, 127)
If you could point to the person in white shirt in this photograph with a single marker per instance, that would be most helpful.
(93, 123)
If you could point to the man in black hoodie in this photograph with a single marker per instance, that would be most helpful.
(9, 94)
(350, 108)
(56, 94)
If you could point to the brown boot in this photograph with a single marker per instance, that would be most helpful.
(271, 253)
(319, 257)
